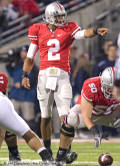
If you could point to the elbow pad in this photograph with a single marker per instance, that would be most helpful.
(79, 35)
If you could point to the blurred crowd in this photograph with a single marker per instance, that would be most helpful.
(25, 101)
(13, 9)
(10, 10)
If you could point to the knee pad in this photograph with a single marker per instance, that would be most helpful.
(67, 131)
(73, 119)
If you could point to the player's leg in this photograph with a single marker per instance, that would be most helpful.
(27, 109)
(11, 141)
(46, 130)
(13, 122)
(45, 97)
(63, 100)
(2, 136)
(73, 120)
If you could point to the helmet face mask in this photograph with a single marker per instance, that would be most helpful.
(107, 82)
(60, 20)
(107, 91)
(55, 14)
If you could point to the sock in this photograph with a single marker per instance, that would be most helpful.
(13, 150)
(69, 149)
(62, 151)
(47, 143)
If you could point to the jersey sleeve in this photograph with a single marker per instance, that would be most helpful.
(87, 92)
(78, 100)
(74, 28)
(33, 33)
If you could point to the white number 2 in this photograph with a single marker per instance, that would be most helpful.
(51, 51)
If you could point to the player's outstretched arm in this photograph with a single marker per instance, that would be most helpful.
(27, 67)
(86, 109)
(96, 130)
(91, 32)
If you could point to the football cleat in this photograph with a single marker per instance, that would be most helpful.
(14, 156)
(50, 151)
(70, 157)
(67, 157)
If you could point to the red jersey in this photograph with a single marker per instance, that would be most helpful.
(54, 47)
(92, 92)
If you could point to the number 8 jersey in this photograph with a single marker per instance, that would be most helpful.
(54, 47)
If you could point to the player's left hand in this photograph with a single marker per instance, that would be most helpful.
(102, 31)
(97, 133)
(26, 82)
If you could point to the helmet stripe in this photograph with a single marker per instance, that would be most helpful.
(113, 73)
(59, 6)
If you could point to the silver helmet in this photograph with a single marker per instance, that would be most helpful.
(107, 82)
(55, 14)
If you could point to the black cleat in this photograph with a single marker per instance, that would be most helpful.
(14, 156)
(70, 157)
(50, 151)
(66, 157)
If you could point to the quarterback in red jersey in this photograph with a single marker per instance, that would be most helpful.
(96, 106)
(53, 39)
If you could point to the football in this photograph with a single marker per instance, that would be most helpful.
(105, 159)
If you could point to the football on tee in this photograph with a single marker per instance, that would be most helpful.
(105, 159)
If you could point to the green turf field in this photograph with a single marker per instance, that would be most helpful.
(88, 156)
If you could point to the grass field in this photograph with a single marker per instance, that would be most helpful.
(88, 156)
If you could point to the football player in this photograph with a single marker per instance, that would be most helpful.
(53, 39)
(11, 121)
(95, 108)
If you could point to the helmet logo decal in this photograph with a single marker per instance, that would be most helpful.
(113, 73)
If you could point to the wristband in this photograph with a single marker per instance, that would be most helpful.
(95, 31)
(25, 74)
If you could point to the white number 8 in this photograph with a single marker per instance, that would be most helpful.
(52, 50)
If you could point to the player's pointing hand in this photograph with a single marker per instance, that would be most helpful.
(102, 31)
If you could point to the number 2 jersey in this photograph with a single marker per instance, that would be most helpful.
(54, 47)
(92, 92)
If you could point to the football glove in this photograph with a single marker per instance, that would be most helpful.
(98, 134)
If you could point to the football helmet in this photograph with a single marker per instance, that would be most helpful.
(107, 82)
(3, 82)
(55, 14)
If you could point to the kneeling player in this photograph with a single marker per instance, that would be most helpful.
(11, 121)
(95, 107)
